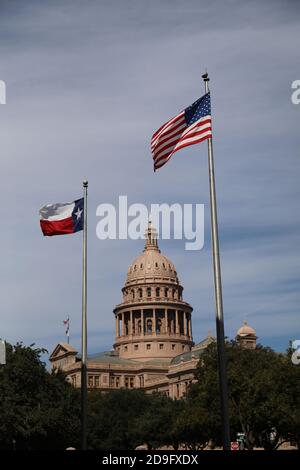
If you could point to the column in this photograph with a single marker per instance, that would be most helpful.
(117, 326)
(166, 321)
(142, 322)
(123, 324)
(131, 323)
(176, 322)
(184, 323)
(189, 326)
(153, 322)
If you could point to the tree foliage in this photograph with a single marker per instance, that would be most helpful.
(38, 409)
(41, 410)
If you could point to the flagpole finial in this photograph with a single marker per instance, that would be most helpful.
(85, 183)
(205, 77)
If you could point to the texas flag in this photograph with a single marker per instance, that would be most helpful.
(62, 218)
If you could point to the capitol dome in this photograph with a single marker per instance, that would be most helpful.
(153, 322)
(151, 265)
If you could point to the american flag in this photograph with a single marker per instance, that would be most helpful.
(191, 126)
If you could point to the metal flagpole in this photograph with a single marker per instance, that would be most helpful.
(218, 292)
(84, 326)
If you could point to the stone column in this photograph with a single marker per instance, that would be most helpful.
(176, 322)
(184, 323)
(123, 324)
(189, 326)
(117, 326)
(166, 321)
(153, 322)
(131, 323)
(142, 322)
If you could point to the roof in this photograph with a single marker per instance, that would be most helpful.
(111, 357)
(196, 351)
(246, 330)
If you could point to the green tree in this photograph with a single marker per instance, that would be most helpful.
(38, 409)
(259, 396)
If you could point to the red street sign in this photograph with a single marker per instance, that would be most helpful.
(235, 446)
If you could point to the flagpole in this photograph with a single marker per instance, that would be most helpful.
(218, 292)
(84, 326)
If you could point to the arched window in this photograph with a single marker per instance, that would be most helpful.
(140, 293)
(174, 293)
(132, 293)
(139, 327)
(166, 292)
(158, 326)
(149, 326)
(148, 291)
(157, 292)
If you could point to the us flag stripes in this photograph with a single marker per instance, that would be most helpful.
(191, 126)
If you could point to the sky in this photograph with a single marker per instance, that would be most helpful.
(87, 85)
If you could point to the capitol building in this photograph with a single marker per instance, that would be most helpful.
(154, 348)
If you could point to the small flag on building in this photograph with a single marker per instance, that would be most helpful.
(67, 325)
(62, 218)
(191, 126)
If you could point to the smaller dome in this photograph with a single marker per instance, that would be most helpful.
(246, 330)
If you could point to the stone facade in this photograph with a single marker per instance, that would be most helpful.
(154, 348)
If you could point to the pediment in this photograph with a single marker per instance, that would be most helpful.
(61, 350)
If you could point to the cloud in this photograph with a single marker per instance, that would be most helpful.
(86, 87)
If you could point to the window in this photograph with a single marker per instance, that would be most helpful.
(161, 346)
(97, 380)
(164, 265)
(125, 348)
(132, 293)
(157, 292)
(126, 382)
(131, 382)
(149, 327)
(140, 293)
(183, 347)
(90, 381)
(148, 291)
(117, 382)
(141, 265)
(174, 292)
(156, 265)
(166, 292)
(148, 346)
(136, 347)
(158, 326)
(173, 347)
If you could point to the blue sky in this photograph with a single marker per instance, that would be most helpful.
(87, 85)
